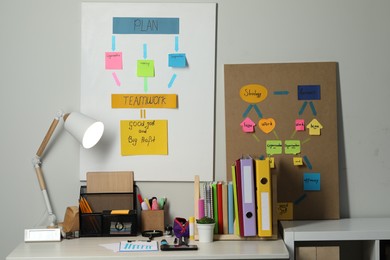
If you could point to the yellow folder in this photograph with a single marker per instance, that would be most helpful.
(264, 198)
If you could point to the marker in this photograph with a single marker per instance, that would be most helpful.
(144, 206)
(140, 199)
(154, 204)
(146, 201)
(192, 221)
(161, 202)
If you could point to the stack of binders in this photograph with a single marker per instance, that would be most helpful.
(243, 206)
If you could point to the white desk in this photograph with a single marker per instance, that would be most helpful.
(89, 248)
(369, 230)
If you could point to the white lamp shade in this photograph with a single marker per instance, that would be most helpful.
(85, 129)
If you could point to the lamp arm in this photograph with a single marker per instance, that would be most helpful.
(38, 170)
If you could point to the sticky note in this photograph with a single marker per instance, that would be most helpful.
(267, 125)
(300, 125)
(145, 68)
(314, 127)
(297, 161)
(312, 181)
(274, 147)
(113, 60)
(177, 60)
(272, 162)
(247, 125)
(292, 146)
(309, 92)
(144, 137)
(285, 210)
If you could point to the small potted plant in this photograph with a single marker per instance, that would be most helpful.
(205, 227)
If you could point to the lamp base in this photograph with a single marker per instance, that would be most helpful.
(42, 235)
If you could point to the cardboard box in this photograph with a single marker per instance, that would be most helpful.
(317, 253)
(152, 220)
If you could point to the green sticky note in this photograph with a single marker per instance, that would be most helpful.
(292, 147)
(145, 68)
(274, 147)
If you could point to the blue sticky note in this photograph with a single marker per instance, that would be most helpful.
(312, 181)
(309, 92)
(177, 60)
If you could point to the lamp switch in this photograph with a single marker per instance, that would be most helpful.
(42, 235)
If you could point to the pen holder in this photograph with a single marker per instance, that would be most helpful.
(152, 220)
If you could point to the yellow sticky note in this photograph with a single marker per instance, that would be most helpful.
(144, 137)
(145, 68)
(314, 127)
(143, 101)
(272, 162)
(285, 210)
(297, 161)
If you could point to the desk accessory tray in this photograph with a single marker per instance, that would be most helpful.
(97, 218)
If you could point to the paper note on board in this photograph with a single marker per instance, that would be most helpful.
(145, 68)
(300, 125)
(297, 161)
(314, 127)
(267, 124)
(177, 60)
(272, 162)
(143, 101)
(247, 125)
(285, 210)
(113, 60)
(292, 146)
(144, 137)
(274, 147)
(312, 181)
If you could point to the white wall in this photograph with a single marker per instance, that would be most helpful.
(40, 73)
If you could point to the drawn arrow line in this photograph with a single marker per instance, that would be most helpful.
(113, 43)
(313, 109)
(145, 50)
(303, 108)
(281, 92)
(118, 83)
(307, 162)
(173, 78)
(176, 43)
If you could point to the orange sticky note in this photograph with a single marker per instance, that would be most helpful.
(267, 125)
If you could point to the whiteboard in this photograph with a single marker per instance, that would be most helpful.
(190, 126)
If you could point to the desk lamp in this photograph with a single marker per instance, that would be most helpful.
(84, 129)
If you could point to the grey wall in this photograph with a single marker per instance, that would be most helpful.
(40, 73)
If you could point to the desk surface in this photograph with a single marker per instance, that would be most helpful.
(91, 248)
(340, 229)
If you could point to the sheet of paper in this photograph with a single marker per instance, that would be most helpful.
(144, 137)
(138, 246)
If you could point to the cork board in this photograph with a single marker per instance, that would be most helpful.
(288, 112)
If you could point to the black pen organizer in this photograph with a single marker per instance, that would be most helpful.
(107, 214)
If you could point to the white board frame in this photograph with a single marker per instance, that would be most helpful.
(190, 126)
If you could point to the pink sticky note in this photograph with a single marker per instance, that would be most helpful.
(300, 125)
(113, 60)
(247, 125)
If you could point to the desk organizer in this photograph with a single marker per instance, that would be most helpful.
(100, 220)
(152, 220)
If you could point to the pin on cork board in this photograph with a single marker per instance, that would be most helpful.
(288, 112)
